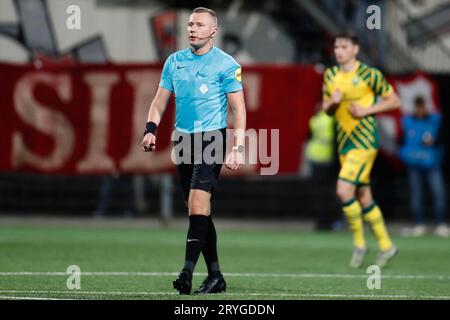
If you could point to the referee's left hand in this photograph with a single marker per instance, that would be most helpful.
(234, 160)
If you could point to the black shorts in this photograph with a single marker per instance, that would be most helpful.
(199, 172)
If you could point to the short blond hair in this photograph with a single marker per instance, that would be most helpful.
(212, 13)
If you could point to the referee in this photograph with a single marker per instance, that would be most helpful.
(204, 80)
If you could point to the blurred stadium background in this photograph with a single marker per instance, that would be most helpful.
(42, 169)
(74, 103)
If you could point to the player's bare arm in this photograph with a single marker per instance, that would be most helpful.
(330, 105)
(389, 103)
(157, 108)
(236, 157)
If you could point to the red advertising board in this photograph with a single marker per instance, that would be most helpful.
(87, 119)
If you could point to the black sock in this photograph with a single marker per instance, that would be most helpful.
(196, 237)
(210, 250)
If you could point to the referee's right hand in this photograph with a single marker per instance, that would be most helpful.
(149, 142)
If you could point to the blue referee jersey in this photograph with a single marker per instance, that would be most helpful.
(200, 84)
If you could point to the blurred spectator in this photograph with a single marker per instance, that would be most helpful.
(422, 154)
(320, 154)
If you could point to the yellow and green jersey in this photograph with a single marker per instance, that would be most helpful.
(361, 86)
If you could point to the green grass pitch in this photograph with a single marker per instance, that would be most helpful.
(140, 263)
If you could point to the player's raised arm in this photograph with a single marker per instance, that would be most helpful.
(237, 104)
(330, 99)
(157, 108)
(329, 105)
(390, 100)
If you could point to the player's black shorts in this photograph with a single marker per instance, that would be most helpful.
(199, 170)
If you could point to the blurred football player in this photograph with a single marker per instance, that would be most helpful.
(350, 92)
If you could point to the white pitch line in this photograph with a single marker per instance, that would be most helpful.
(264, 275)
(29, 298)
(75, 292)
(330, 295)
(256, 294)
(333, 275)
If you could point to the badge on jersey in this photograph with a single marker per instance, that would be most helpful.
(238, 74)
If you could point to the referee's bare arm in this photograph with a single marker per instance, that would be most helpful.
(155, 114)
(237, 104)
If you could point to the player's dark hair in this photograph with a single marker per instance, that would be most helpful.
(348, 35)
(419, 101)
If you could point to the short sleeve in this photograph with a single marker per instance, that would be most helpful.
(166, 75)
(436, 120)
(232, 78)
(379, 84)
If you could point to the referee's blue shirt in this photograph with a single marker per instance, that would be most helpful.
(200, 84)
